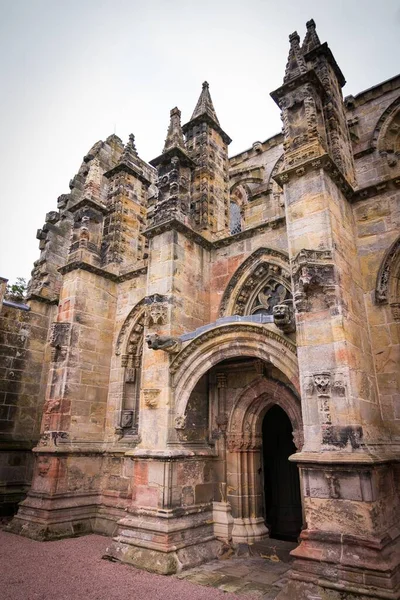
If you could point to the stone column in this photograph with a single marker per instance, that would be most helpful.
(347, 470)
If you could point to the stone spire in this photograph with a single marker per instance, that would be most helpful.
(311, 39)
(205, 105)
(296, 65)
(129, 156)
(175, 135)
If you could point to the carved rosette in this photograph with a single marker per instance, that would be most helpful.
(313, 276)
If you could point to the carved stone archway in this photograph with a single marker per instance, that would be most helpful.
(257, 267)
(387, 289)
(244, 441)
(223, 342)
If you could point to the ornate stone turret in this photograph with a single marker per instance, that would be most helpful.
(174, 168)
(207, 145)
(123, 244)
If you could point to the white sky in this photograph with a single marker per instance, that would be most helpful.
(74, 71)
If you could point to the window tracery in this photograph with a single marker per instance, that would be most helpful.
(235, 218)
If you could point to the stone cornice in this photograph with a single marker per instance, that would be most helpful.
(375, 189)
(205, 118)
(123, 167)
(248, 233)
(88, 202)
(182, 228)
(116, 278)
(170, 153)
(324, 162)
(324, 50)
(310, 77)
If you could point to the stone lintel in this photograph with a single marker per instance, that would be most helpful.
(310, 77)
(205, 118)
(324, 162)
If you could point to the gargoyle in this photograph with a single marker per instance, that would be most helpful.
(163, 342)
(284, 318)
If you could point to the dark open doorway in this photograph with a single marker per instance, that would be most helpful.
(283, 513)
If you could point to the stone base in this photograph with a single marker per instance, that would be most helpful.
(164, 543)
(223, 521)
(343, 569)
(164, 563)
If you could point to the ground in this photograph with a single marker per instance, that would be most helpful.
(72, 569)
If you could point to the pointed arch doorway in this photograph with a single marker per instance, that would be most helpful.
(282, 500)
(264, 429)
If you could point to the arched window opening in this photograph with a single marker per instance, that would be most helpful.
(235, 219)
(131, 362)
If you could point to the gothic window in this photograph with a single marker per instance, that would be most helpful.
(266, 287)
(235, 218)
(131, 362)
(270, 294)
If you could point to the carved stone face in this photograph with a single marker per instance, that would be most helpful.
(281, 313)
(322, 382)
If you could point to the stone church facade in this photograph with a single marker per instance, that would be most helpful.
(209, 350)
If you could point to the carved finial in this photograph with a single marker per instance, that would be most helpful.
(205, 105)
(175, 135)
(296, 64)
(129, 155)
(311, 40)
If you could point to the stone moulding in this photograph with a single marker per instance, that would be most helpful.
(389, 269)
(134, 315)
(313, 269)
(229, 341)
(85, 266)
(264, 255)
(229, 328)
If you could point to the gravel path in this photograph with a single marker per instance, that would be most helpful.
(72, 569)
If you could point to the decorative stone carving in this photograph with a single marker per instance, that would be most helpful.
(43, 465)
(156, 314)
(180, 422)
(151, 397)
(388, 270)
(169, 344)
(60, 335)
(259, 264)
(284, 317)
(322, 382)
(313, 275)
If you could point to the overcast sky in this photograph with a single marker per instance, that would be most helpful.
(75, 71)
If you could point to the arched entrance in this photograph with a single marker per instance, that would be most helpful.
(282, 499)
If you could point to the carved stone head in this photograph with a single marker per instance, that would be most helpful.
(322, 382)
